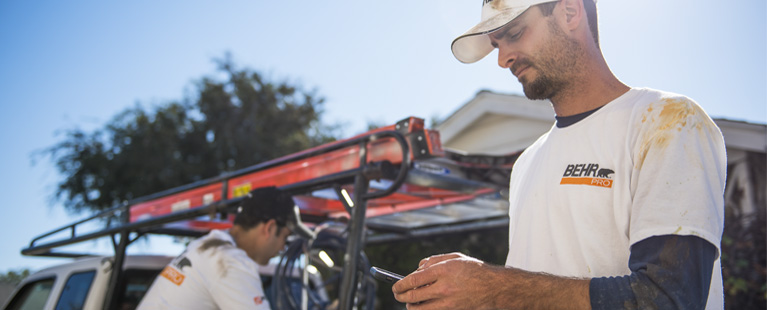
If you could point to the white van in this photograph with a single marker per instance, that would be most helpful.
(83, 284)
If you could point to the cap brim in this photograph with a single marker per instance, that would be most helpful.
(475, 44)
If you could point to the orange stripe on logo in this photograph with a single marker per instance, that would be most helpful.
(588, 181)
(173, 275)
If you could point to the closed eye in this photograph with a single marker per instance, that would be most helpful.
(511, 37)
(507, 35)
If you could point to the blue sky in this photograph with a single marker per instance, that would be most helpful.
(75, 64)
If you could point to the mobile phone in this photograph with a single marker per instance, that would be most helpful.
(385, 275)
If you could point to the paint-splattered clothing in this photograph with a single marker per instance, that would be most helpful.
(211, 274)
(647, 164)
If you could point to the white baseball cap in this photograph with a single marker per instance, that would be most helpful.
(475, 44)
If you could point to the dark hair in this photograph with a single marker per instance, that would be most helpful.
(264, 204)
(591, 14)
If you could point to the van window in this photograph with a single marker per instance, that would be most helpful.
(32, 296)
(136, 283)
(75, 291)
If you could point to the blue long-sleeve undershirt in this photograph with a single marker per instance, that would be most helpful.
(667, 272)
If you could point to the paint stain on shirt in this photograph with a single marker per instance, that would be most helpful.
(213, 243)
(677, 230)
(667, 118)
(647, 290)
(222, 268)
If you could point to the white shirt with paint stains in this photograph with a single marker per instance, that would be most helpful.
(649, 163)
(211, 274)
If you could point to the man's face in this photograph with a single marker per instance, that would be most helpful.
(275, 242)
(264, 241)
(538, 53)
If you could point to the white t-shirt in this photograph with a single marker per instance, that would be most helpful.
(211, 274)
(648, 163)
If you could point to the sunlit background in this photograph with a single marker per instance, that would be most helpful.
(76, 64)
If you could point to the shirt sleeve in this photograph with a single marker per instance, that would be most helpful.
(239, 284)
(678, 179)
(667, 272)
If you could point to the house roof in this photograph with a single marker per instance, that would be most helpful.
(497, 124)
(475, 127)
(743, 135)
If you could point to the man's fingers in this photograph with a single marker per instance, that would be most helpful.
(418, 286)
(435, 259)
(420, 295)
(429, 298)
(414, 280)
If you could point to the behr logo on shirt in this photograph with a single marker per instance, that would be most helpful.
(587, 174)
(173, 275)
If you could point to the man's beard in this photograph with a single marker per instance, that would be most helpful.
(555, 64)
(543, 87)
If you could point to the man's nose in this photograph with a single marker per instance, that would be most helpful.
(505, 59)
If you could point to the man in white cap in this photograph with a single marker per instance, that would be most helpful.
(620, 205)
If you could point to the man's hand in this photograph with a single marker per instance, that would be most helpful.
(449, 281)
(457, 281)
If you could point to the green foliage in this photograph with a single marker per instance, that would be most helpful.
(743, 263)
(14, 276)
(233, 123)
(744, 242)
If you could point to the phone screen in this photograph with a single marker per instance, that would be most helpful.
(385, 275)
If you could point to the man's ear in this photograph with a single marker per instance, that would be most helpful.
(574, 13)
(271, 227)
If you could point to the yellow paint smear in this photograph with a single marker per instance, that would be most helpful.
(674, 114)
